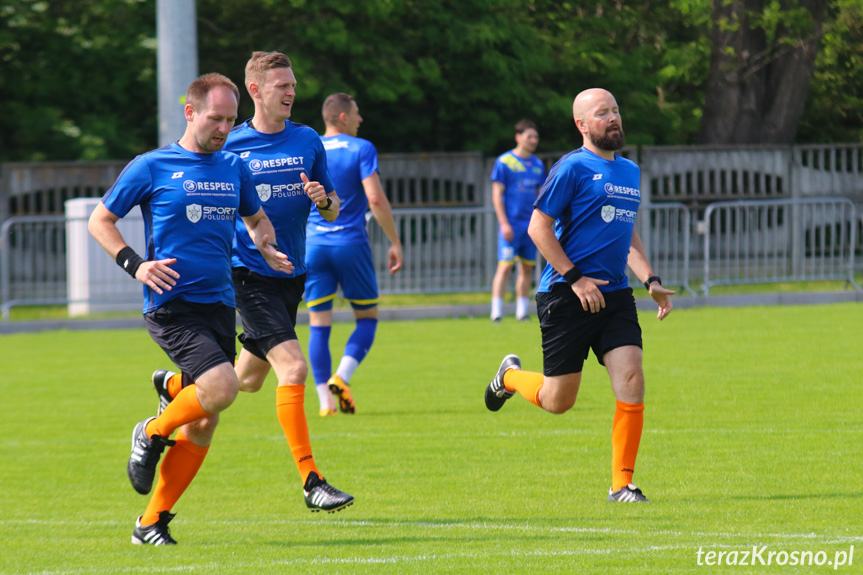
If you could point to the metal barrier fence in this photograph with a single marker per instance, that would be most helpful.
(666, 230)
(52, 260)
(445, 250)
(32, 261)
(779, 240)
(44, 258)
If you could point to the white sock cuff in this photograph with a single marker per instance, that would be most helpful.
(521, 306)
(347, 367)
(496, 307)
(325, 396)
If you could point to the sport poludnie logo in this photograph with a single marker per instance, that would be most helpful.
(193, 212)
(196, 212)
(264, 191)
(607, 213)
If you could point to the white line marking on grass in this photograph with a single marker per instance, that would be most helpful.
(398, 559)
(825, 538)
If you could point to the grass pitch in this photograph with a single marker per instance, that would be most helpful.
(752, 438)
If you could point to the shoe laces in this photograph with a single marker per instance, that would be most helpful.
(322, 485)
(328, 489)
(165, 517)
(154, 452)
(162, 526)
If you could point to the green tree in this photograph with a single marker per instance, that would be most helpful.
(762, 60)
(427, 75)
(834, 109)
(77, 79)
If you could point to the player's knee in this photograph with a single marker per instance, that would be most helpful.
(221, 397)
(203, 428)
(631, 387)
(559, 406)
(251, 384)
(557, 403)
(297, 373)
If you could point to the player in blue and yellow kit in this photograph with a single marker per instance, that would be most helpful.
(289, 169)
(584, 225)
(516, 178)
(339, 252)
(190, 194)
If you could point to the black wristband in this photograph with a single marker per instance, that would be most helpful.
(129, 260)
(650, 280)
(573, 275)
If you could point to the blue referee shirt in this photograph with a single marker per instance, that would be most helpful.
(276, 162)
(190, 202)
(594, 203)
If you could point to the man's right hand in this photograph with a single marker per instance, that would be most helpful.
(158, 275)
(506, 232)
(588, 293)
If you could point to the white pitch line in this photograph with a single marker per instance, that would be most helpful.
(393, 560)
(485, 526)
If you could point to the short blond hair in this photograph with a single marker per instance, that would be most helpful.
(262, 62)
(200, 88)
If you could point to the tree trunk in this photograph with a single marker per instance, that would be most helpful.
(756, 93)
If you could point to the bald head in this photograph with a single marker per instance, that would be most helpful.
(589, 99)
(597, 117)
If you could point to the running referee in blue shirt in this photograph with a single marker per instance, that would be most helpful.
(190, 194)
(583, 223)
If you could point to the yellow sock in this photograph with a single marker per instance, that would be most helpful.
(527, 383)
(625, 439)
(292, 417)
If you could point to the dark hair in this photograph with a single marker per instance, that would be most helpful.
(334, 106)
(523, 125)
(198, 90)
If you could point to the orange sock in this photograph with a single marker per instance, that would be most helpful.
(185, 408)
(179, 467)
(625, 438)
(527, 383)
(292, 417)
(175, 384)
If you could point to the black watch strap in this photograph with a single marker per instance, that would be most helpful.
(650, 280)
(327, 207)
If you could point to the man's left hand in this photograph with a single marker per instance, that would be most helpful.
(660, 296)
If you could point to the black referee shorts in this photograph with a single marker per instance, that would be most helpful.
(268, 309)
(196, 336)
(569, 332)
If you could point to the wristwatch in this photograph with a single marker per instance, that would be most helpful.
(327, 207)
(650, 280)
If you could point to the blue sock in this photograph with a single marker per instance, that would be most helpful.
(361, 340)
(319, 352)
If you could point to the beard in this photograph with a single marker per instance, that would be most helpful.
(609, 142)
